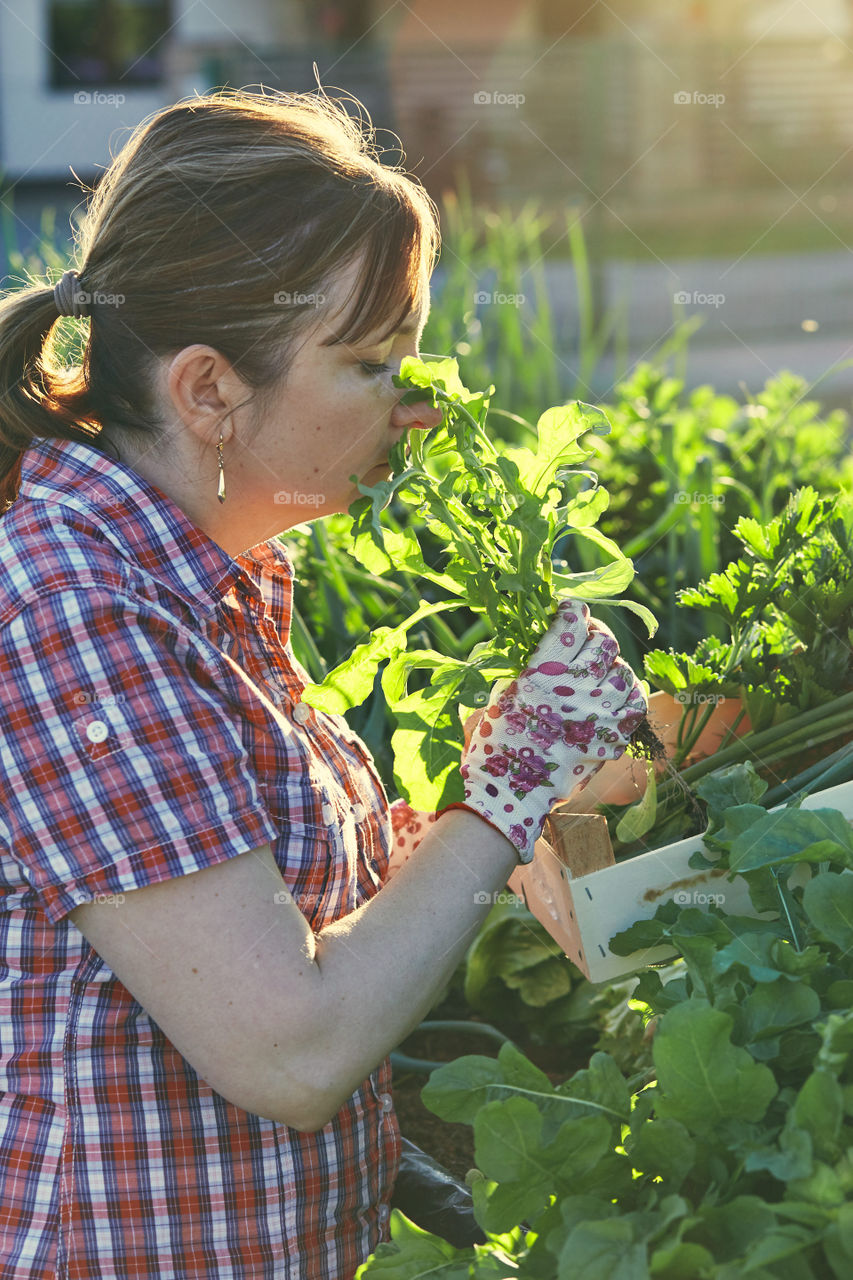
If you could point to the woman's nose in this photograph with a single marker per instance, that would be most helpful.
(421, 415)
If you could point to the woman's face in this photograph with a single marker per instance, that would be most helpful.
(338, 414)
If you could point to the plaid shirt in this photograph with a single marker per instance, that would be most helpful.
(150, 726)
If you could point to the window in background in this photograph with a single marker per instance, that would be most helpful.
(100, 43)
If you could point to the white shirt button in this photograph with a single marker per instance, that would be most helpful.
(97, 731)
(328, 814)
(384, 1213)
(387, 1101)
(301, 712)
(359, 812)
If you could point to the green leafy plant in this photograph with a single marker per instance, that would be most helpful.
(683, 467)
(733, 1156)
(786, 605)
(498, 514)
(785, 611)
(517, 977)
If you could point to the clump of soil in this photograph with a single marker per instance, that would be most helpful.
(645, 744)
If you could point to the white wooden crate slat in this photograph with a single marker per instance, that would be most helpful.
(582, 913)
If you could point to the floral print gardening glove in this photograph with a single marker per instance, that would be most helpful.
(548, 731)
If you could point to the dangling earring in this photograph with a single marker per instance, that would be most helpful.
(221, 491)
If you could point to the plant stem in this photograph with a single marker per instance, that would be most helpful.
(837, 772)
(475, 1028)
(774, 743)
(466, 413)
(784, 901)
(730, 733)
(751, 742)
(688, 736)
(797, 784)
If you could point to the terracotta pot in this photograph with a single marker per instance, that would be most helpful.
(623, 781)
(665, 712)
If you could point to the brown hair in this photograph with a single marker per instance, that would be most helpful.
(214, 211)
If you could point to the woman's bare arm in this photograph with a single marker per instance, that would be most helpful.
(282, 1022)
(384, 966)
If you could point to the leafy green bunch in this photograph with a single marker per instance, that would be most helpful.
(498, 513)
(732, 1157)
(785, 611)
(787, 605)
(683, 467)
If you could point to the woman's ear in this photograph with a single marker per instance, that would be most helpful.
(202, 385)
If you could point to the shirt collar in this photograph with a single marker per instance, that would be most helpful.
(146, 527)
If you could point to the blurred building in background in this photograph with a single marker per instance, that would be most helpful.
(565, 99)
(661, 125)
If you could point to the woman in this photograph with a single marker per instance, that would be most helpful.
(200, 979)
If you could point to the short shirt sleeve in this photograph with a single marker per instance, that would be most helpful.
(408, 827)
(121, 763)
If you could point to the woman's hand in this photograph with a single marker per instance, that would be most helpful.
(574, 706)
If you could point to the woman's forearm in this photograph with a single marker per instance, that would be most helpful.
(384, 966)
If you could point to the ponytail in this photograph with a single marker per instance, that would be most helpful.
(37, 394)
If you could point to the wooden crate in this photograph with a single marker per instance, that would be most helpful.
(583, 897)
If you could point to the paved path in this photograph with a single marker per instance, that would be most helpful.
(752, 311)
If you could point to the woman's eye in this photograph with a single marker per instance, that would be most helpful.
(374, 368)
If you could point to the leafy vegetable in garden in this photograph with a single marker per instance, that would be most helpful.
(683, 466)
(736, 1158)
(785, 608)
(517, 977)
(499, 514)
